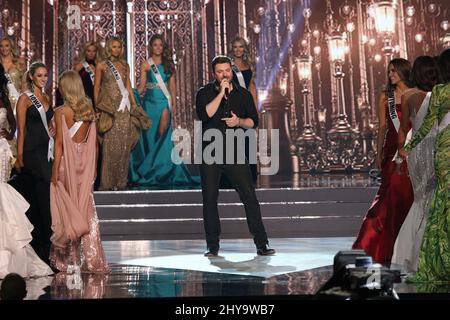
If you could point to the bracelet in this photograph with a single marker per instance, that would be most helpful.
(239, 122)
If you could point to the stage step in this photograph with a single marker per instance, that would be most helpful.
(177, 214)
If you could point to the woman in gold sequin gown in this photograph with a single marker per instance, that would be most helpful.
(14, 70)
(118, 130)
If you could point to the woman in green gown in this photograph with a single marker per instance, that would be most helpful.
(151, 164)
(434, 257)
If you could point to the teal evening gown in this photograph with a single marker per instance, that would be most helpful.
(151, 165)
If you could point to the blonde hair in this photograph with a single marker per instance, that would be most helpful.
(74, 96)
(86, 46)
(14, 50)
(108, 45)
(246, 57)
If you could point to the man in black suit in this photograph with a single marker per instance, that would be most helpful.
(223, 106)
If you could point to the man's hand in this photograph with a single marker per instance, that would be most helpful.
(233, 121)
(225, 84)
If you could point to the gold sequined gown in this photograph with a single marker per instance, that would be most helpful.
(16, 78)
(116, 142)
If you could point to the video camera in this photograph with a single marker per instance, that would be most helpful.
(356, 277)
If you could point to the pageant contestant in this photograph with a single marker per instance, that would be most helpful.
(434, 256)
(424, 77)
(76, 235)
(243, 67)
(120, 119)
(35, 154)
(151, 164)
(244, 76)
(86, 69)
(395, 196)
(14, 69)
(16, 253)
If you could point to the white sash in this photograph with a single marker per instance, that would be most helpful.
(74, 128)
(89, 70)
(160, 81)
(394, 118)
(125, 102)
(40, 108)
(444, 122)
(393, 112)
(239, 75)
(11, 87)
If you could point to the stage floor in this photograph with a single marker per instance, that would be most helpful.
(175, 268)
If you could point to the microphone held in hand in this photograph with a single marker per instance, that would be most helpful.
(227, 92)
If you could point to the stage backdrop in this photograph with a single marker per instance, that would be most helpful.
(320, 65)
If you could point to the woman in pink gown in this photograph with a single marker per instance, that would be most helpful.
(76, 238)
(395, 196)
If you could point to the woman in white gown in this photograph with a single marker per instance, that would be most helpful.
(415, 103)
(16, 254)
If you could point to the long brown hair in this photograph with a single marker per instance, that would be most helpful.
(403, 69)
(167, 61)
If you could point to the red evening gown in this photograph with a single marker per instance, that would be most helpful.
(391, 205)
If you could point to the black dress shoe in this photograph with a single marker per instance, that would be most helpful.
(212, 252)
(265, 251)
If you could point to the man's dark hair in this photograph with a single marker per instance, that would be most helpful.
(219, 60)
(13, 287)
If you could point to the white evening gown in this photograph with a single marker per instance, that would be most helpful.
(421, 171)
(16, 254)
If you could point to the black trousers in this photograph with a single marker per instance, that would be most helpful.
(36, 191)
(240, 177)
(226, 184)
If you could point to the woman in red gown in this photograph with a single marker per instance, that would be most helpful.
(395, 196)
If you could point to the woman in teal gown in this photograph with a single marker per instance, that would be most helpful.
(151, 165)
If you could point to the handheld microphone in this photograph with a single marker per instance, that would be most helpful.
(226, 92)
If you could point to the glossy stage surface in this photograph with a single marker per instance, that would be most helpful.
(174, 268)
